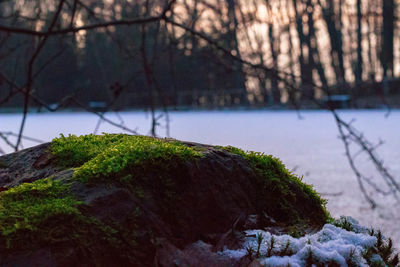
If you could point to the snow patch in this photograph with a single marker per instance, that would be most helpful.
(331, 245)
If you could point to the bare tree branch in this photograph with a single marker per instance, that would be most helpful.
(30, 75)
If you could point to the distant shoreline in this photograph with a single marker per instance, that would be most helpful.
(11, 110)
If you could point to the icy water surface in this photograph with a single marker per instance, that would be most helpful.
(309, 146)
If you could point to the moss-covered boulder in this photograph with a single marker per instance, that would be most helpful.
(121, 200)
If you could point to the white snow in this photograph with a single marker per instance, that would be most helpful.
(330, 245)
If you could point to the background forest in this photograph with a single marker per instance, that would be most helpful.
(200, 53)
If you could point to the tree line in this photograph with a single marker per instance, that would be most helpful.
(344, 47)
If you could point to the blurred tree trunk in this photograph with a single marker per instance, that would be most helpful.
(240, 78)
(308, 43)
(314, 58)
(387, 38)
(372, 63)
(192, 9)
(275, 93)
(359, 67)
(305, 70)
(336, 39)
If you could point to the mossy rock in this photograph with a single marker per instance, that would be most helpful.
(133, 200)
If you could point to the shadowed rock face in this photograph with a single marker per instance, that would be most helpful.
(175, 216)
(26, 166)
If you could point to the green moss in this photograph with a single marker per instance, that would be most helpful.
(146, 166)
(296, 231)
(44, 213)
(343, 223)
(110, 154)
(26, 206)
(75, 150)
(282, 191)
(126, 158)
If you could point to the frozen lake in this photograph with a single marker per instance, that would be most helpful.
(309, 146)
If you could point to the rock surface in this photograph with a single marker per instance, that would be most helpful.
(212, 202)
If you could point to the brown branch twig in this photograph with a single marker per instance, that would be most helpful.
(30, 75)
